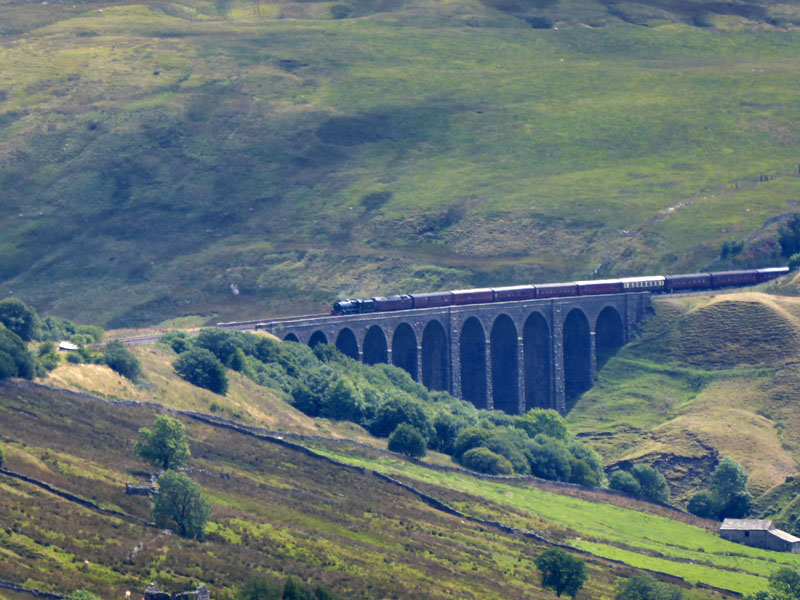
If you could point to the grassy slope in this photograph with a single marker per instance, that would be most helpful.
(150, 156)
(280, 513)
(708, 376)
(623, 531)
(639, 538)
(285, 513)
(245, 400)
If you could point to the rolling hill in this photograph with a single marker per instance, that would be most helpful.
(707, 377)
(281, 510)
(154, 155)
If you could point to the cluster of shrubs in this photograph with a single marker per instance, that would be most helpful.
(387, 402)
(19, 324)
(642, 481)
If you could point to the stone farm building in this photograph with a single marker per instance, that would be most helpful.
(759, 534)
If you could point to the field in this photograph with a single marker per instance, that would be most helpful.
(283, 512)
(151, 156)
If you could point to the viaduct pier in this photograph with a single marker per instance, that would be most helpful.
(509, 356)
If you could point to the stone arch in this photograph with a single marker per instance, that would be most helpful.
(290, 337)
(317, 338)
(347, 344)
(375, 347)
(536, 349)
(435, 363)
(505, 368)
(404, 349)
(577, 354)
(609, 335)
(473, 363)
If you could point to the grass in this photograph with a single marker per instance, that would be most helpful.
(708, 376)
(280, 513)
(637, 538)
(150, 147)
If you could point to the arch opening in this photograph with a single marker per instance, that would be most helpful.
(609, 335)
(505, 368)
(577, 355)
(435, 364)
(317, 338)
(536, 349)
(473, 363)
(375, 347)
(404, 349)
(290, 337)
(347, 344)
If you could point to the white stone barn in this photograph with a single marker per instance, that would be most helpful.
(759, 534)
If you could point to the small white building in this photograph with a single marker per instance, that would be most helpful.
(758, 533)
(67, 347)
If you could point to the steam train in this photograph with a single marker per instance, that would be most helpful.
(653, 283)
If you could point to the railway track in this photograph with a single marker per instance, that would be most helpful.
(251, 325)
(152, 338)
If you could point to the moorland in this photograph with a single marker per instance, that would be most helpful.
(153, 155)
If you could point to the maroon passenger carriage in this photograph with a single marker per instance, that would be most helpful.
(651, 283)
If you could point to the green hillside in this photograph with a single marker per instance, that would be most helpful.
(283, 512)
(153, 155)
(708, 376)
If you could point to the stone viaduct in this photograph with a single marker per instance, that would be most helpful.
(510, 356)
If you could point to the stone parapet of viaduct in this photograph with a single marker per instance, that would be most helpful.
(510, 356)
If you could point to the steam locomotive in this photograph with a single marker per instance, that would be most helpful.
(653, 283)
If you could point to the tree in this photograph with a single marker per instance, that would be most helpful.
(398, 408)
(624, 482)
(785, 581)
(549, 458)
(261, 588)
(561, 571)
(294, 591)
(447, 427)
(322, 593)
(765, 595)
(15, 360)
(652, 484)
(201, 368)
(19, 318)
(165, 446)
(729, 487)
(48, 355)
(646, 587)
(407, 439)
(546, 421)
(180, 504)
(484, 460)
(177, 340)
(737, 507)
(218, 341)
(704, 504)
(469, 438)
(123, 361)
(2, 458)
(342, 401)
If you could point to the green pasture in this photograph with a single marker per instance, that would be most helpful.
(150, 156)
(640, 539)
